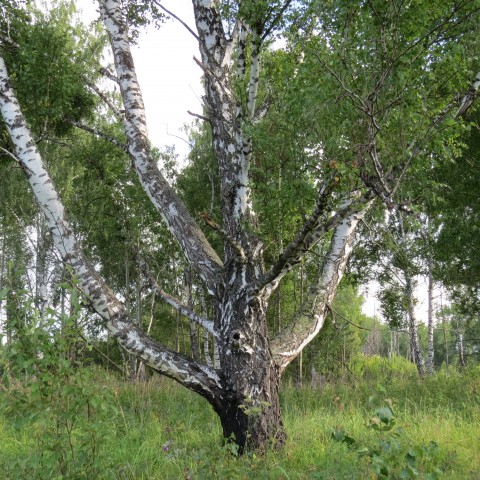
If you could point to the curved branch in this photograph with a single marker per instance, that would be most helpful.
(193, 375)
(310, 317)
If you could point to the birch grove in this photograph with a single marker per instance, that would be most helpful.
(242, 383)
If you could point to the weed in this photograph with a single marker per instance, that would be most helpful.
(67, 414)
(393, 454)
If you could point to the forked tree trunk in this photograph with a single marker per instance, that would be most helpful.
(244, 390)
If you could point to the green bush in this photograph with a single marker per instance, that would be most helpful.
(63, 406)
(383, 370)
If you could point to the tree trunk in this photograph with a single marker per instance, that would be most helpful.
(415, 349)
(193, 327)
(3, 325)
(41, 267)
(250, 406)
(461, 350)
(430, 325)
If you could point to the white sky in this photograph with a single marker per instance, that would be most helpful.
(169, 78)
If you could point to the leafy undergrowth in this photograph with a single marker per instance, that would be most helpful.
(360, 429)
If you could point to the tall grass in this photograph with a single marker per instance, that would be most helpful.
(159, 430)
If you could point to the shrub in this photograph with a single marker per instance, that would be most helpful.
(380, 369)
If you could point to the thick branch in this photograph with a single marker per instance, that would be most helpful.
(193, 242)
(310, 318)
(211, 35)
(232, 148)
(311, 233)
(189, 373)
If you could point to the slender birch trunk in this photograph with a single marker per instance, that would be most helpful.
(430, 324)
(415, 348)
(42, 266)
(3, 323)
(461, 349)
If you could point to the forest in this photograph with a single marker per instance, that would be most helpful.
(201, 315)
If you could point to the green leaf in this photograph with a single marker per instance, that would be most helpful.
(385, 414)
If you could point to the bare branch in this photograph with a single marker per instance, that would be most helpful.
(100, 134)
(9, 154)
(201, 117)
(176, 18)
(175, 302)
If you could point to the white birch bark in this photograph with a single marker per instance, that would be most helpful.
(195, 376)
(227, 117)
(415, 347)
(310, 318)
(254, 75)
(194, 244)
(430, 324)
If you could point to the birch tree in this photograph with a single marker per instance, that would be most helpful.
(232, 39)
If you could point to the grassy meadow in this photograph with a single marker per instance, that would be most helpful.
(379, 423)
